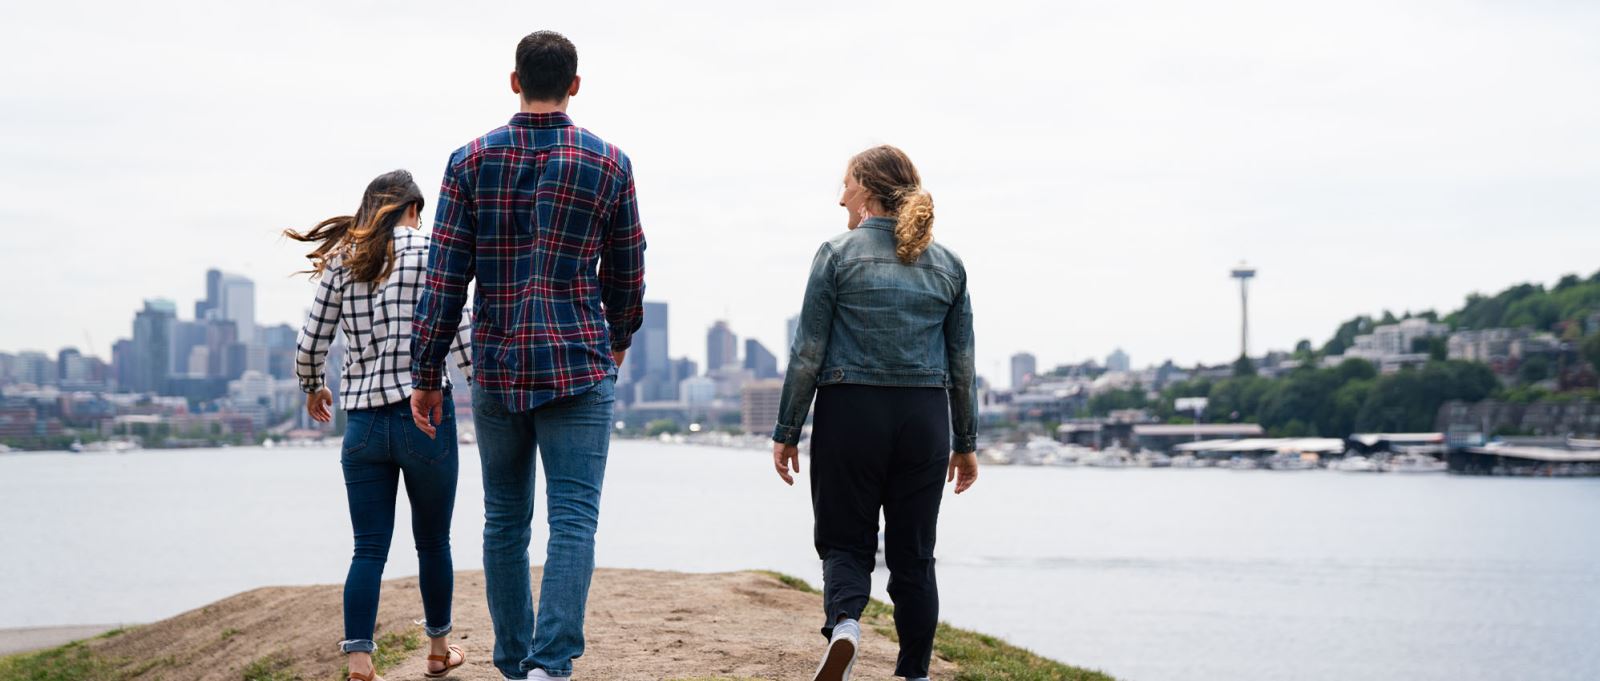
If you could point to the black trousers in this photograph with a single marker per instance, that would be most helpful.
(873, 448)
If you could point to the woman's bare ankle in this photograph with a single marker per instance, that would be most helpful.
(360, 663)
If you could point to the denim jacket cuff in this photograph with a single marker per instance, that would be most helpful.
(788, 435)
(964, 444)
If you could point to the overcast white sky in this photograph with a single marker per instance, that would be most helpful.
(1099, 165)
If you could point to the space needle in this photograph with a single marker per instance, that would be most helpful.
(1244, 273)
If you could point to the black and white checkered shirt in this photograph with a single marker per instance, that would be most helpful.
(376, 320)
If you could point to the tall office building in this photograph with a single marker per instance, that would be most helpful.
(648, 369)
(123, 367)
(1023, 368)
(722, 347)
(152, 346)
(186, 337)
(203, 309)
(758, 360)
(1118, 361)
(224, 353)
(683, 369)
(35, 367)
(792, 326)
(280, 344)
(238, 304)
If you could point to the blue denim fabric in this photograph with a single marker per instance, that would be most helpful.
(572, 436)
(870, 319)
(379, 445)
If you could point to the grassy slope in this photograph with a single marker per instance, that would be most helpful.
(977, 657)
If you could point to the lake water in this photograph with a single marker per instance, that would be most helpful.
(1146, 574)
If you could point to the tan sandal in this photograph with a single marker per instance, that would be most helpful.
(358, 676)
(445, 659)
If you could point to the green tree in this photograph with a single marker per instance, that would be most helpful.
(1534, 368)
(660, 427)
(1409, 400)
(1590, 347)
(1243, 367)
(1108, 401)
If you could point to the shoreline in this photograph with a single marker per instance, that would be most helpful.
(29, 639)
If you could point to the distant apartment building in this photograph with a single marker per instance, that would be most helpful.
(1391, 340)
(1390, 346)
(1024, 366)
(34, 368)
(792, 328)
(697, 392)
(1484, 345)
(151, 354)
(758, 405)
(1118, 361)
(758, 360)
(722, 347)
(648, 371)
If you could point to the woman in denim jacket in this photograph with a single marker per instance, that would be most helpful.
(885, 345)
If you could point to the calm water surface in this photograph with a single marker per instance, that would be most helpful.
(1146, 574)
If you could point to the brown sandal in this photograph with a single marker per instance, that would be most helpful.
(445, 659)
(358, 676)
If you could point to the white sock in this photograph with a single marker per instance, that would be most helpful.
(847, 627)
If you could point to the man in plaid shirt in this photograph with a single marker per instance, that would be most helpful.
(542, 214)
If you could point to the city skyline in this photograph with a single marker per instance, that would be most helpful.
(1386, 156)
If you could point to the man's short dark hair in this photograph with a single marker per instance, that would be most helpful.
(546, 64)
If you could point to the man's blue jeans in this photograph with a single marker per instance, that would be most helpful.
(572, 436)
(381, 444)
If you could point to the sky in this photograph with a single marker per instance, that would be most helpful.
(1099, 166)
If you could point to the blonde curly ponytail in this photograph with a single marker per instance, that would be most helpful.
(913, 227)
(889, 176)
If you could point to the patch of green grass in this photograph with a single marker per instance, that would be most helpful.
(978, 657)
(393, 648)
(230, 632)
(792, 582)
(115, 632)
(71, 662)
(275, 667)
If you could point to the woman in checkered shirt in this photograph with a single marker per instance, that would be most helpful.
(370, 268)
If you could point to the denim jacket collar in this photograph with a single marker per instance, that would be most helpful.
(883, 223)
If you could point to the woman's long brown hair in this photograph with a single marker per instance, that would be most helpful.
(365, 240)
(888, 176)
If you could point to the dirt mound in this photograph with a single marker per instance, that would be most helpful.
(641, 625)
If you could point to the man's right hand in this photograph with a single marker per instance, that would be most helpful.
(427, 409)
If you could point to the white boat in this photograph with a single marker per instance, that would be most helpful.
(1041, 452)
(1292, 461)
(1414, 463)
(1149, 459)
(112, 446)
(1185, 461)
(1240, 463)
(1355, 463)
(996, 456)
(1111, 457)
(1070, 454)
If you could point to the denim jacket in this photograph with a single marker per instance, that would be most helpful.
(869, 319)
